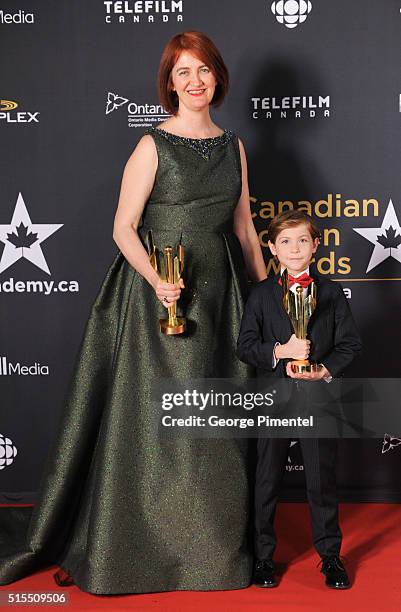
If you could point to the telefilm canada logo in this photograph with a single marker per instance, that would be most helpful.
(290, 107)
(16, 368)
(138, 115)
(16, 17)
(8, 452)
(9, 114)
(140, 11)
(291, 13)
(23, 239)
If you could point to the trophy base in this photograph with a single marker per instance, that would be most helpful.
(304, 367)
(172, 330)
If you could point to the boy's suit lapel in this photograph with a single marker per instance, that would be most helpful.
(278, 298)
(278, 294)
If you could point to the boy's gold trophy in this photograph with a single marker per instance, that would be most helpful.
(170, 269)
(300, 309)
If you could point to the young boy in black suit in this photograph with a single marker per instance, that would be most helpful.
(267, 342)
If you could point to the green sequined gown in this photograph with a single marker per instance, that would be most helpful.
(120, 510)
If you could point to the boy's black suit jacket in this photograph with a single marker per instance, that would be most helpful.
(334, 337)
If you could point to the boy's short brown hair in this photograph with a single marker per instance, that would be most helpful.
(291, 218)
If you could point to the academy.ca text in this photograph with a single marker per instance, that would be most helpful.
(39, 286)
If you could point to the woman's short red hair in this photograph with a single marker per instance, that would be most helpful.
(206, 51)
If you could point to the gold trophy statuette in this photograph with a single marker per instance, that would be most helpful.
(170, 268)
(300, 310)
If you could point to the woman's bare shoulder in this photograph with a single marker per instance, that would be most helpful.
(144, 152)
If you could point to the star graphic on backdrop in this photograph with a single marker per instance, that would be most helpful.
(22, 238)
(387, 238)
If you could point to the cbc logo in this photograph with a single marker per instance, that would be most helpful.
(291, 12)
(8, 452)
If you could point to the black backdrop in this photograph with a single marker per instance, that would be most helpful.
(318, 109)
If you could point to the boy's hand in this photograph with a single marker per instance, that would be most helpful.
(293, 349)
(322, 373)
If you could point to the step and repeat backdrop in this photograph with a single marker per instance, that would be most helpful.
(316, 98)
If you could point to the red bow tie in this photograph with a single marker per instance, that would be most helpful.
(304, 280)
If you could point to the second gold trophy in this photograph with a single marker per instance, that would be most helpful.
(300, 310)
(169, 265)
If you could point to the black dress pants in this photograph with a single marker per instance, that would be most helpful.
(319, 456)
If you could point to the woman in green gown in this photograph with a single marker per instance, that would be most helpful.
(121, 510)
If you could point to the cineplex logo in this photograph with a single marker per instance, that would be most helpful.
(7, 114)
(291, 13)
(17, 17)
(8, 452)
(290, 107)
(139, 115)
(22, 240)
(7, 368)
(140, 11)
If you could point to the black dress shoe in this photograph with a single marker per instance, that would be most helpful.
(264, 574)
(63, 579)
(334, 570)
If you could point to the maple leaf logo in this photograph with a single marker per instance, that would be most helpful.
(389, 443)
(21, 239)
(389, 240)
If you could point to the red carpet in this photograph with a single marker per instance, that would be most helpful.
(372, 547)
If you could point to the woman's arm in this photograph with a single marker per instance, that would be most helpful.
(245, 229)
(136, 186)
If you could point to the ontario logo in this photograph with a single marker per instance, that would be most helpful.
(140, 11)
(291, 13)
(23, 239)
(8, 368)
(138, 115)
(8, 116)
(389, 443)
(8, 452)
